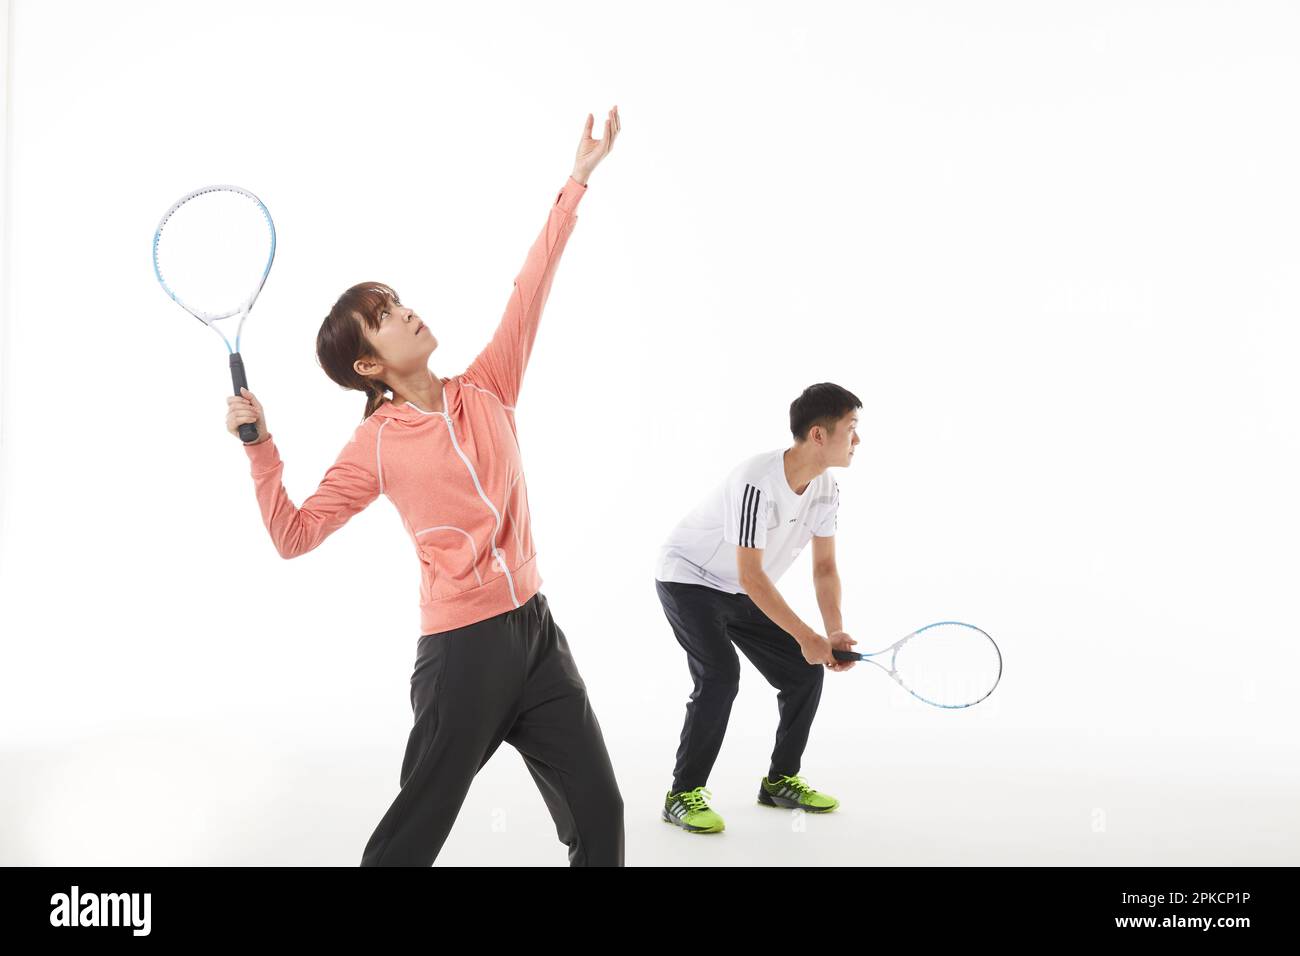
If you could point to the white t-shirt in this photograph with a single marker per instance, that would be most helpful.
(753, 507)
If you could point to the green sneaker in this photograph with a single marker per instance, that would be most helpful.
(689, 811)
(793, 793)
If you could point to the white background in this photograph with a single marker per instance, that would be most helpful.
(1052, 247)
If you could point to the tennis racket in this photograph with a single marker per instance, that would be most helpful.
(212, 252)
(948, 664)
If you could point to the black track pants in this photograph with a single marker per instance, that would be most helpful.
(707, 622)
(510, 677)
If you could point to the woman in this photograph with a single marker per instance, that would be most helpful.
(491, 663)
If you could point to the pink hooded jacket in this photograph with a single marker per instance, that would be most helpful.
(456, 476)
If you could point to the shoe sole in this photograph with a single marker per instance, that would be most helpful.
(766, 799)
(669, 818)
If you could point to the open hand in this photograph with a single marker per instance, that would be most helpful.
(592, 151)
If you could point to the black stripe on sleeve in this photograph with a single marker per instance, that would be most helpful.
(744, 515)
(748, 516)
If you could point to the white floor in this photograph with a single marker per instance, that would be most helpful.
(136, 794)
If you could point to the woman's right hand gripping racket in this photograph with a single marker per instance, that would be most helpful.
(212, 252)
(245, 411)
(948, 664)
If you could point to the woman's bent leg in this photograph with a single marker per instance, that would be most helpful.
(560, 739)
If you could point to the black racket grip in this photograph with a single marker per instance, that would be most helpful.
(846, 655)
(248, 430)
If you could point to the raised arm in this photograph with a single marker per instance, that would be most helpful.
(349, 485)
(500, 366)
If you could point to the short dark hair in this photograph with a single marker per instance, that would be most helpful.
(822, 404)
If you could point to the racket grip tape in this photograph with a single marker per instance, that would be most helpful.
(248, 430)
(846, 655)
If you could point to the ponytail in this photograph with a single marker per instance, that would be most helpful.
(374, 396)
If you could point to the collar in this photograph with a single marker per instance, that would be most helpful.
(409, 411)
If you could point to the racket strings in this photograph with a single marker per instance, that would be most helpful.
(212, 251)
(950, 664)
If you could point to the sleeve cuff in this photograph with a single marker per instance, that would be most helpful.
(571, 195)
(262, 455)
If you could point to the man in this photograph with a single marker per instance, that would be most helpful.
(716, 581)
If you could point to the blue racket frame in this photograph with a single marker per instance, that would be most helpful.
(892, 670)
(238, 377)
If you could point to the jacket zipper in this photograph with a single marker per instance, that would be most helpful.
(510, 581)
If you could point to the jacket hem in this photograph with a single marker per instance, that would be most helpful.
(480, 603)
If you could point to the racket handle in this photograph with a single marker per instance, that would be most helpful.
(846, 655)
(248, 430)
